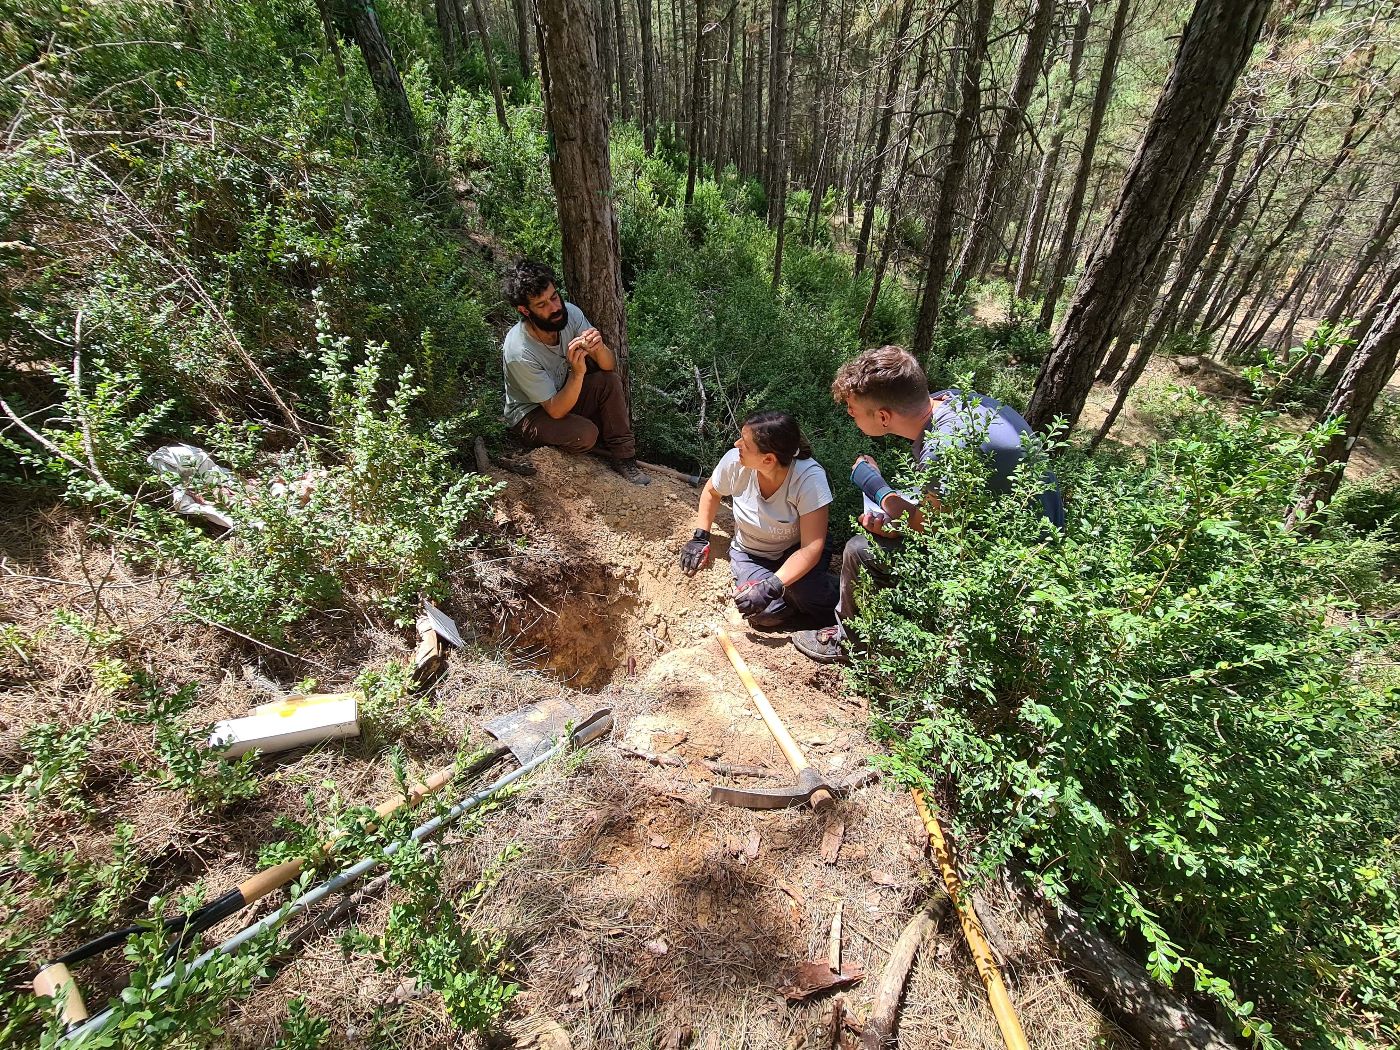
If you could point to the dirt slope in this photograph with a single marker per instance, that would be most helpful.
(634, 909)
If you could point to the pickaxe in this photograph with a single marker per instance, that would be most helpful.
(811, 786)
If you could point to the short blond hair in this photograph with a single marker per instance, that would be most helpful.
(887, 377)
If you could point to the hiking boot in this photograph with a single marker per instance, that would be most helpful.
(772, 621)
(628, 469)
(823, 645)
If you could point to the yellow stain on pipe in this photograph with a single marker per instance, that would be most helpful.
(1007, 1021)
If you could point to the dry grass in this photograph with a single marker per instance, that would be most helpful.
(631, 909)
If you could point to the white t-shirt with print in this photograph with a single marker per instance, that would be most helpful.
(768, 527)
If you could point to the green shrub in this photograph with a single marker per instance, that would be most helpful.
(1162, 715)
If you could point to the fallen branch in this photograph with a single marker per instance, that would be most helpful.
(693, 480)
(1147, 1010)
(249, 638)
(47, 445)
(884, 1012)
(654, 759)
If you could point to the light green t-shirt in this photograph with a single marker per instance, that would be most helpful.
(534, 371)
(768, 527)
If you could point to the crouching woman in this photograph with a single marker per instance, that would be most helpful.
(781, 501)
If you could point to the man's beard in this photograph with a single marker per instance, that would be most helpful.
(550, 322)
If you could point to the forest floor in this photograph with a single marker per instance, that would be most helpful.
(635, 912)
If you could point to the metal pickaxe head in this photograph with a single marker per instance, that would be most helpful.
(811, 787)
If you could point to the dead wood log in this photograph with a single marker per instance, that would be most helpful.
(483, 461)
(884, 1013)
(693, 480)
(1147, 1010)
(654, 759)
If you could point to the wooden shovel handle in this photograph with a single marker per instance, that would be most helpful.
(821, 798)
(264, 882)
(258, 886)
(55, 982)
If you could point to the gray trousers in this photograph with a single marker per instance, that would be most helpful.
(859, 554)
(813, 595)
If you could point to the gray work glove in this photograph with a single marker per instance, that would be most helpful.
(753, 598)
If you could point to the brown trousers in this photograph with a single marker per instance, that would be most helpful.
(598, 419)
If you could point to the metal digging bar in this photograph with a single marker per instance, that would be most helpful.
(594, 727)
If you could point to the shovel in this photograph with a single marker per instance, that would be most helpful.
(526, 733)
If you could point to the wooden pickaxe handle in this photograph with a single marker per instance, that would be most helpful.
(821, 798)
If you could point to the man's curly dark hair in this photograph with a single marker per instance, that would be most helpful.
(524, 280)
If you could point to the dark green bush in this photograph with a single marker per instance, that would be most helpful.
(1162, 714)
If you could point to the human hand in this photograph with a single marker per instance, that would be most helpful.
(695, 555)
(753, 597)
(578, 356)
(878, 524)
(592, 339)
(864, 459)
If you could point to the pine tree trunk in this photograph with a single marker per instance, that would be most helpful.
(777, 93)
(486, 52)
(1059, 267)
(745, 110)
(1338, 365)
(1384, 229)
(363, 27)
(882, 133)
(855, 158)
(1365, 376)
(1166, 314)
(723, 153)
(607, 52)
(693, 138)
(1256, 335)
(940, 244)
(577, 116)
(781, 115)
(1350, 141)
(648, 75)
(1160, 183)
(323, 8)
(522, 36)
(1135, 319)
(891, 234)
(970, 260)
(447, 32)
(624, 69)
(760, 157)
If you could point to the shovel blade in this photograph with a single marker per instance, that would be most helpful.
(532, 730)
